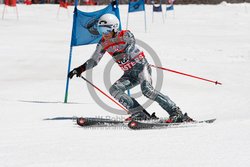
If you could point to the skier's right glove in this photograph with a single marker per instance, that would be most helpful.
(76, 71)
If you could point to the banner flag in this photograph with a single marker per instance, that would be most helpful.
(136, 6)
(10, 3)
(85, 25)
(85, 32)
(27, 2)
(63, 4)
(171, 7)
(157, 8)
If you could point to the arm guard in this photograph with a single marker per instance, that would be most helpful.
(130, 40)
(95, 58)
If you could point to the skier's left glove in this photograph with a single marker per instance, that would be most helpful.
(76, 71)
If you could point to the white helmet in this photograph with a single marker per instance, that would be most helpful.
(107, 23)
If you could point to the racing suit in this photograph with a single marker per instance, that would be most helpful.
(136, 69)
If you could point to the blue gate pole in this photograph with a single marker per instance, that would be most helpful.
(67, 81)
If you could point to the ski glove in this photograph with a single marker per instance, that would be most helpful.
(76, 71)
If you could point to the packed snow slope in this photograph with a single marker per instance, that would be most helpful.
(204, 40)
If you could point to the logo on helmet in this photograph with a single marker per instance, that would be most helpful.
(103, 22)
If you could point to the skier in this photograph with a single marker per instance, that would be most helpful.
(121, 46)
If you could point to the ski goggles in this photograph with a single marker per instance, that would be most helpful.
(104, 29)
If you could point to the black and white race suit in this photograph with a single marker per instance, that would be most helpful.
(136, 71)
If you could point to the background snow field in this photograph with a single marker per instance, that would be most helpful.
(211, 41)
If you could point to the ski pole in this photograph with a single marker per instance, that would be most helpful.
(105, 94)
(162, 68)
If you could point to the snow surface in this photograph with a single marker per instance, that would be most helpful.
(204, 40)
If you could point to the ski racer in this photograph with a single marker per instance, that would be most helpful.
(121, 46)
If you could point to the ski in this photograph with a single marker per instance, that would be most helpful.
(85, 121)
(137, 125)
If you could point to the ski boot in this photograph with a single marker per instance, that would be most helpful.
(142, 115)
(178, 117)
